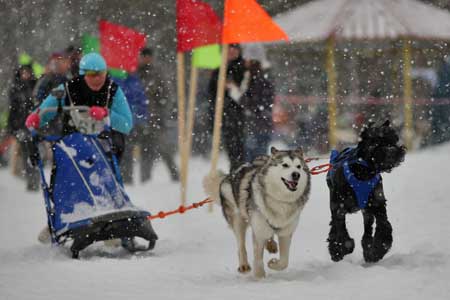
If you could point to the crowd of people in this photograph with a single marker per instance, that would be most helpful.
(140, 109)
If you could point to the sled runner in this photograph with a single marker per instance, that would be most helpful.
(85, 200)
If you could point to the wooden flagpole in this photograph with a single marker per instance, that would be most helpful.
(190, 126)
(181, 120)
(218, 111)
(332, 110)
(407, 94)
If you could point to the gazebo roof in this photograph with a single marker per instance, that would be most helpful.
(365, 19)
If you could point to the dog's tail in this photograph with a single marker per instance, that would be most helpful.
(211, 185)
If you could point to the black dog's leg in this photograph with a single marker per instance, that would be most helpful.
(382, 240)
(339, 241)
(367, 239)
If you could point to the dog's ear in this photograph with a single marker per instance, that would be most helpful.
(273, 150)
(299, 151)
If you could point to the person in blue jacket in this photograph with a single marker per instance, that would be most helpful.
(140, 135)
(93, 88)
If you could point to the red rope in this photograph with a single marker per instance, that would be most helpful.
(318, 169)
(180, 210)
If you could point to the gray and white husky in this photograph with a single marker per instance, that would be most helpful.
(268, 195)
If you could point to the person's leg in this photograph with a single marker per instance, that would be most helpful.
(151, 155)
(30, 172)
(167, 157)
(234, 144)
(146, 148)
(126, 160)
(257, 145)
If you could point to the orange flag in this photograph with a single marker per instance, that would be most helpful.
(247, 21)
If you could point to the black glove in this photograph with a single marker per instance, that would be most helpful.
(118, 143)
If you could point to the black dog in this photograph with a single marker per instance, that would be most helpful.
(355, 184)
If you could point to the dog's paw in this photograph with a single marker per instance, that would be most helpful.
(244, 269)
(259, 273)
(338, 249)
(271, 246)
(276, 264)
(376, 251)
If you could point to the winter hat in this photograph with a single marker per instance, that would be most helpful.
(256, 52)
(92, 62)
(146, 52)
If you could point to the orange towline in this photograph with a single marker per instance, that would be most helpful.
(180, 210)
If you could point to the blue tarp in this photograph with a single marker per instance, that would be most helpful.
(84, 183)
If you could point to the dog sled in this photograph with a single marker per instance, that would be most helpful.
(85, 199)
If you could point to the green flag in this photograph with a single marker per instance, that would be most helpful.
(206, 57)
(90, 44)
(118, 73)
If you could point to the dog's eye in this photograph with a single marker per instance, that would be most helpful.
(285, 165)
(299, 167)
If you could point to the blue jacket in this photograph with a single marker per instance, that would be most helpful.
(135, 94)
(120, 113)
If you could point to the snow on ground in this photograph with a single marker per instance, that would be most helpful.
(196, 256)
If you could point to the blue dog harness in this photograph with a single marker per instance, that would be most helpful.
(345, 159)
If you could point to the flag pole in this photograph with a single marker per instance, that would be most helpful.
(332, 109)
(181, 120)
(218, 111)
(190, 125)
(407, 94)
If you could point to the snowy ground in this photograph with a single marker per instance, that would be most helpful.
(196, 256)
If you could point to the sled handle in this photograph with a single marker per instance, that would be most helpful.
(64, 108)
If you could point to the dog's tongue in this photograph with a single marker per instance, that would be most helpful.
(292, 184)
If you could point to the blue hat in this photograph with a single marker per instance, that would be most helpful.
(92, 62)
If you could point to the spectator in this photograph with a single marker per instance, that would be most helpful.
(258, 102)
(21, 104)
(140, 135)
(56, 73)
(74, 55)
(233, 119)
(160, 110)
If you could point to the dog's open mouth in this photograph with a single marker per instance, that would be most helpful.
(291, 185)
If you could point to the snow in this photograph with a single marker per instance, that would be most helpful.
(196, 256)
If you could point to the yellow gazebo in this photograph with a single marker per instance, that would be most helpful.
(349, 20)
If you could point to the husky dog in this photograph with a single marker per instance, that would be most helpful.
(355, 184)
(268, 195)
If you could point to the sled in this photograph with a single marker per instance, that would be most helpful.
(85, 199)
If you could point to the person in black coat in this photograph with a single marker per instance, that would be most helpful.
(257, 102)
(233, 112)
(21, 104)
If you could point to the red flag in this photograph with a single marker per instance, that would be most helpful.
(246, 21)
(197, 25)
(120, 45)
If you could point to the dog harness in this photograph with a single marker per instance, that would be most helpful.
(361, 188)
